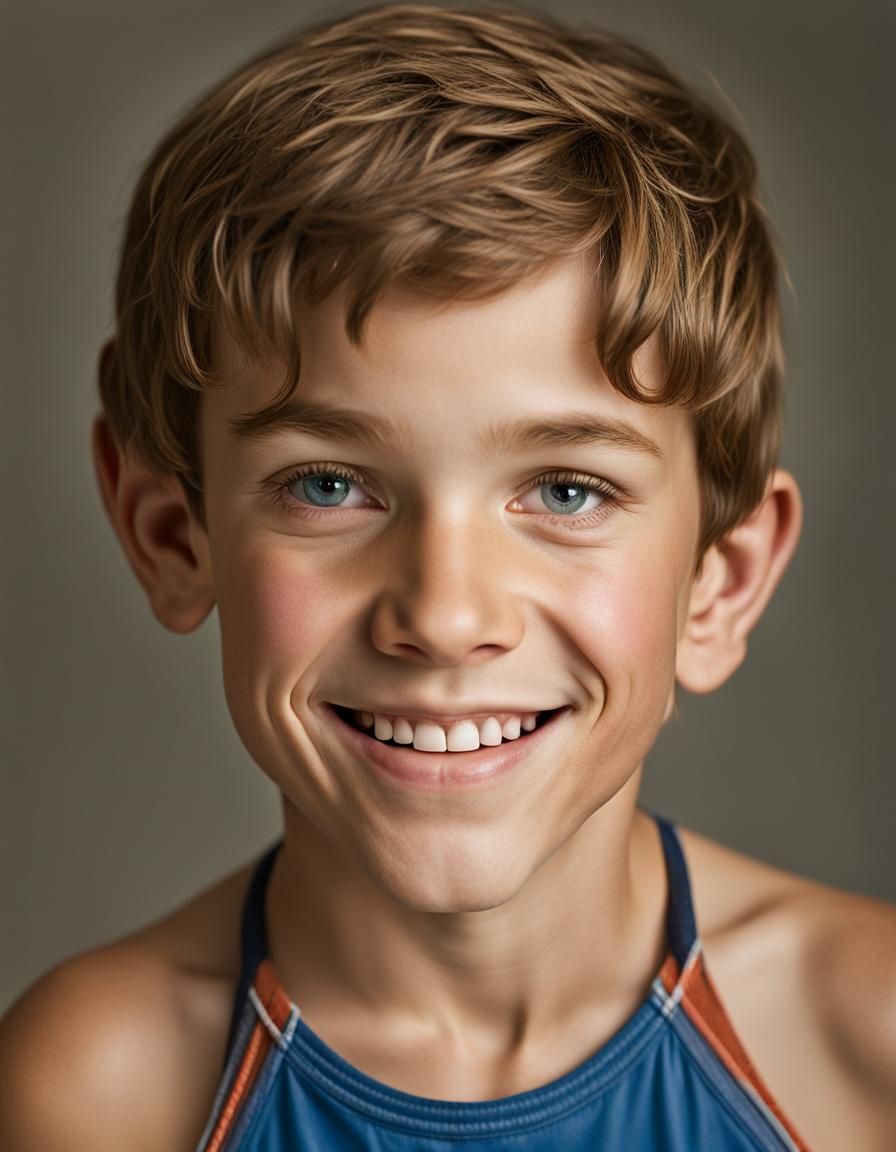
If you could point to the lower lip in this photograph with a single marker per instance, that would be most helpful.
(441, 770)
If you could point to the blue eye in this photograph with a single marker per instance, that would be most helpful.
(569, 497)
(329, 488)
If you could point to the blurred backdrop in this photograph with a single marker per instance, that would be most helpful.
(124, 786)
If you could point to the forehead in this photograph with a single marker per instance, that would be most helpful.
(427, 370)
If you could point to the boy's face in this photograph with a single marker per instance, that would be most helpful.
(451, 574)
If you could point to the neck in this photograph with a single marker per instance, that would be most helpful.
(582, 938)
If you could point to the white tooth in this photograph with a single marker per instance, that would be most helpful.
(429, 737)
(490, 732)
(367, 719)
(402, 732)
(528, 721)
(463, 736)
(511, 729)
(382, 728)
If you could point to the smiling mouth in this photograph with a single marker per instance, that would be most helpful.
(350, 717)
(437, 769)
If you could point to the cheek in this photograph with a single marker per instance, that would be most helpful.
(276, 616)
(632, 648)
(626, 621)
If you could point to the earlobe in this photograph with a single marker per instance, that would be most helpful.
(166, 548)
(736, 580)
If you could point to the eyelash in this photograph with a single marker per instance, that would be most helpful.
(591, 484)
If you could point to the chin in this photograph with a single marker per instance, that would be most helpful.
(462, 875)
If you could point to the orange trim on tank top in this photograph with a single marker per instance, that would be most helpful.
(278, 1007)
(703, 1007)
(253, 1058)
(267, 987)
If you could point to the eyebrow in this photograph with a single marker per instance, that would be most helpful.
(328, 422)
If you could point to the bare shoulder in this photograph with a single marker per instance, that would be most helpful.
(807, 973)
(122, 1046)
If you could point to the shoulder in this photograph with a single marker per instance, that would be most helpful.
(810, 973)
(86, 1053)
(850, 964)
(122, 1046)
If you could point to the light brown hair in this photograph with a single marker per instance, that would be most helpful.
(453, 151)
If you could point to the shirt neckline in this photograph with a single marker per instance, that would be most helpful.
(316, 1062)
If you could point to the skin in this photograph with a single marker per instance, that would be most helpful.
(435, 937)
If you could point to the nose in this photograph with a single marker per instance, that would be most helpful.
(447, 600)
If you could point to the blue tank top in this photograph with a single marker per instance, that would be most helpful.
(673, 1078)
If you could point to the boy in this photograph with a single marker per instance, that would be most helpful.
(447, 368)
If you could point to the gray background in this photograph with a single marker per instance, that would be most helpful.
(124, 787)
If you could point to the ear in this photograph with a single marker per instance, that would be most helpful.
(167, 549)
(735, 581)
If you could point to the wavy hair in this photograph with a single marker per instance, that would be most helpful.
(456, 152)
